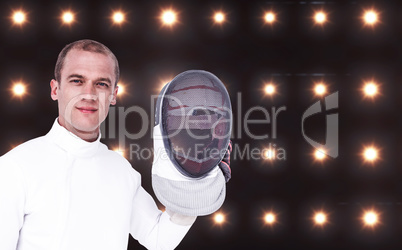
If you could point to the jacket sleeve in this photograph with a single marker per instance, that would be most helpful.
(12, 201)
(152, 227)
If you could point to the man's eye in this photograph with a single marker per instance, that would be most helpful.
(103, 84)
(75, 81)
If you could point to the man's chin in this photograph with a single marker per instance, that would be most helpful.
(84, 124)
(86, 127)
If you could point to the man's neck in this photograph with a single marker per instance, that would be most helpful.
(89, 136)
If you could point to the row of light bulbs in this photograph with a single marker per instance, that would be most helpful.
(169, 17)
(370, 154)
(369, 218)
(370, 89)
(20, 89)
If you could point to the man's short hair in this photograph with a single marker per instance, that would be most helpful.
(85, 45)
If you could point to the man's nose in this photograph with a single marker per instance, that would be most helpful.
(89, 91)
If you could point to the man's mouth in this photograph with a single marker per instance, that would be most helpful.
(87, 110)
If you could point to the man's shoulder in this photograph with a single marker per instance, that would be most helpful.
(24, 154)
(27, 148)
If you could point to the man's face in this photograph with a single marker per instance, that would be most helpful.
(85, 92)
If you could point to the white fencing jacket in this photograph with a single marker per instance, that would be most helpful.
(59, 192)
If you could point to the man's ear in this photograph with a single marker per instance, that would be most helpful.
(114, 95)
(54, 89)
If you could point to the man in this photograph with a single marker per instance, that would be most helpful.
(66, 190)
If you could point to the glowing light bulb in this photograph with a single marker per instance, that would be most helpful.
(219, 17)
(163, 81)
(269, 154)
(121, 89)
(320, 218)
(67, 17)
(270, 218)
(370, 17)
(370, 89)
(219, 218)
(168, 17)
(269, 89)
(370, 154)
(119, 151)
(19, 17)
(19, 89)
(370, 218)
(320, 154)
(320, 17)
(118, 17)
(320, 89)
(269, 17)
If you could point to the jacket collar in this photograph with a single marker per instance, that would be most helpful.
(72, 143)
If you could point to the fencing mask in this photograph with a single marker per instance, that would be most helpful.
(193, 121)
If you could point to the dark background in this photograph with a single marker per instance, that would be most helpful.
(244, 53)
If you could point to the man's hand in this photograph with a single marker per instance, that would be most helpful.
(179, 219)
